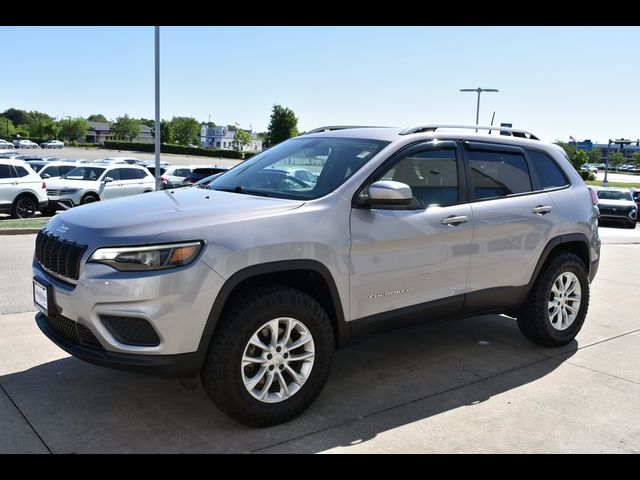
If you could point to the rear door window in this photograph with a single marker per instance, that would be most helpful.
(496, 174)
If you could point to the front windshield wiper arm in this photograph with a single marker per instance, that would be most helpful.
(241, 189)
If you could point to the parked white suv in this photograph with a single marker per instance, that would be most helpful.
(91, 182)
(22, 191)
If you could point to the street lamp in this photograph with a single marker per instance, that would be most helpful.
(620, 141)
(478, 91)
(67, 116)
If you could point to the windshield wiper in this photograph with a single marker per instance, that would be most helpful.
(247, 191)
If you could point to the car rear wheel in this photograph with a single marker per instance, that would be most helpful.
(269, 357)
(556, 308)
(25, 207)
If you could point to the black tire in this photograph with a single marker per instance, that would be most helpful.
(25, 206)
(49, 211)
(221, 374)
(89, 198)
(533, 316)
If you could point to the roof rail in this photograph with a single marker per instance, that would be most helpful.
(432, 127)
(339, 127)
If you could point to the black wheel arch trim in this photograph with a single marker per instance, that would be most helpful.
(273, 267)
(555, 242)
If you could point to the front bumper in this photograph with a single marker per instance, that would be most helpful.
(174, 366)
(174, 304)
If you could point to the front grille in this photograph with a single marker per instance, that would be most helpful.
(59, 256)
(131, 330)
(72, 332)
(617, 211)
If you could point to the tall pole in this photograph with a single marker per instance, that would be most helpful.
(158, 129)
(605, 182)
(478, 91)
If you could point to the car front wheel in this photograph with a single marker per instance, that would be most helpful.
(270, 356)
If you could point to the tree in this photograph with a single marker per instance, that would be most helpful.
(636, 158)
(185, 130)
(615, 159)
(97, 117)
(17, 116)
(166, 132)
(595, 155)
(283, 125)
(125, 128)
(7, 129)
(73, 128)
(148, 122)
(42, 125)
(579, 159)
(241, 138)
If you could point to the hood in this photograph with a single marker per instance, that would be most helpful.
(140, 218)
(57, 183)
(616, 203)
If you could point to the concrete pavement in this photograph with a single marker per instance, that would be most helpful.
(472, 385)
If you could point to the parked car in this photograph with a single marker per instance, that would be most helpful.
(198, 173)
(129, 160)
(24, 144)
(206, 181)
(171, 176)
(6, 145)
(252, 284)
(52, 144)
(22, 191)
(617, 205)
(635, 194)
(53, 170)
(590, 168)
(8, 153)
(91, 182)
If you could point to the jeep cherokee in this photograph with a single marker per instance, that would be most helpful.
(252, 284)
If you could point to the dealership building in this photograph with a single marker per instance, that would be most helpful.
(627, 151)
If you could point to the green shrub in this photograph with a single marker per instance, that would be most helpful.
(177, 149)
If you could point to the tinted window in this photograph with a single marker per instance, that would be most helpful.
(546, 169)
(5, 171)
(85, 173)
(51, 171)
(65, 169)
(498, 174)
(142, 174)
(614, 194)
(114, 174)
(431, 174)
(21, 171)
(128, 174)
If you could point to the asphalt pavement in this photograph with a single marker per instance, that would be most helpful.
(472, 385)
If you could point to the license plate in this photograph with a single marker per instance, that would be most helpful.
(41, 297)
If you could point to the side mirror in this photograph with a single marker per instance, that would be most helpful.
(107, 180)
(45, 176)
(388, 192)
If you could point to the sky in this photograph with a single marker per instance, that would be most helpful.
(553, 81)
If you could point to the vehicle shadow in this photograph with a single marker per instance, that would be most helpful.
(77, 407)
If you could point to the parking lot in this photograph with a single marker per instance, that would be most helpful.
(471, 385)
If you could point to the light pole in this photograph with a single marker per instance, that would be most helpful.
(478, 91)
(620, 141)
(67, 116)
(157, 99)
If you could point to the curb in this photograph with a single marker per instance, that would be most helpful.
(19, 231)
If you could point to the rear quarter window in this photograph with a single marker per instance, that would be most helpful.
(547, 171)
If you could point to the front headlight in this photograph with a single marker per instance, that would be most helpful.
(148, 257)
(69, 191)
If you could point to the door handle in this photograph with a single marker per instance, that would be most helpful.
(14, 183)
(542, 209)
(454, 220)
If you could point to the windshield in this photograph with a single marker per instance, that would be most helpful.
(90, 174)
(614, 195)
(276, 172)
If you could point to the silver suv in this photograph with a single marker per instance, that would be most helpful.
(252, 284)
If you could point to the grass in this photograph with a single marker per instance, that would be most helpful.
(23, 223)
(598, 183)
